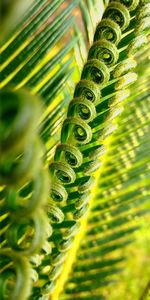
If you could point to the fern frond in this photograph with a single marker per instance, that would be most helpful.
(84, 136)
(122, 196)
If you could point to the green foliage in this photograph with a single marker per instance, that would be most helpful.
(74, 172)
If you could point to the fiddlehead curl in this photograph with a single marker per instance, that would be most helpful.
(32, 195)
(62, 172)
(55, 214)
(77, 130)
(70, 154)
(82, 108)
(58, 193)
(15, 281)
(26, 183)
(26, 235)
(118, 13)
(109, 30)
(87, 90)
(105, 51)
(95, 70)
